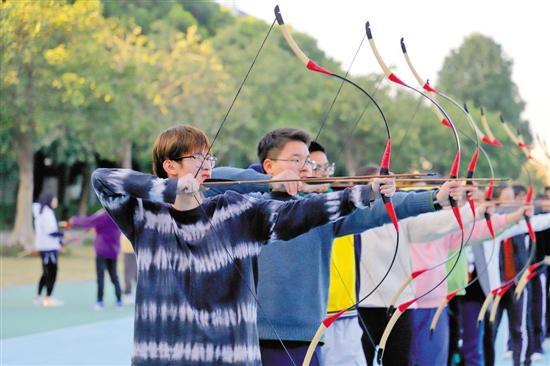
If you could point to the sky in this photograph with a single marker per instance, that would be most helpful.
(431, 29)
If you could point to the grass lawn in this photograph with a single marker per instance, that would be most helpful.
(75, 264)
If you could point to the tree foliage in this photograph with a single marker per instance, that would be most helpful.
(83, 80)
(479, 72)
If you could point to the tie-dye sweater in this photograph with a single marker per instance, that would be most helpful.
(195, 300)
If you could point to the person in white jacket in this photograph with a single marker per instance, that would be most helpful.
(374, 257)
(47, 240)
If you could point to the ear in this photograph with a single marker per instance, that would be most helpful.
(268, 166)
(170, 168)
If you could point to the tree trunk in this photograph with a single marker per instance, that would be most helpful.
(23, 233)
(125, 155)
(61, 178)
(85, 191)
(349, 160)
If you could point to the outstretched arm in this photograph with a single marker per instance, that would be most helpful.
(289, 219)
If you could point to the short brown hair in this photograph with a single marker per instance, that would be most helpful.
(273, 142)
(175, 142)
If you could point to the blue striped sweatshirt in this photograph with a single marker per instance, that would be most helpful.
(194, 300)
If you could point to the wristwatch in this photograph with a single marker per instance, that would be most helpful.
(435, 202)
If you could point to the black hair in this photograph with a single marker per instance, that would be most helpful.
(274, 141)
(498, 189)
(45, 199)
(315, 146)
(519, 189)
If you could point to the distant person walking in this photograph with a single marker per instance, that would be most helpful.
(107, 246)
(47, 241)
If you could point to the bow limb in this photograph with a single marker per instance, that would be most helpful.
(440, 308)
(494, 307)
(402, 288)
(433, 92)
(424, 85)
(524, 275)
(392, 77)
(529, 196)
(325, 324)
(453, 172)
(498, 297)
(518, 141)
(471, 168)
(488, 300)
(384, 162)
(531, 272)
(313, 66)
(508, 131)
(489, 138)
(523, 145)
(379, 353)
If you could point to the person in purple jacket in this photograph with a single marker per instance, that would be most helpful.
(107, 246)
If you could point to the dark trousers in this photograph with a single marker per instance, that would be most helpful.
(49, 271)
(547, 302)
(517, 324)
(102, 264)
(454, 309)
(535, 313)
(130, 272)
(273, 353)
(472, 335)
(398, 347)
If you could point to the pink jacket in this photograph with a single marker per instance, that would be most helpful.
(428, 254)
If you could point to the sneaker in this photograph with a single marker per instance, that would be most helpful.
(119, 305)
(128, 299)
(537, 356)
(99, 306)
(508, 354)
(51, 302)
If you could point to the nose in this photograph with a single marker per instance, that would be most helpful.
(306, 171)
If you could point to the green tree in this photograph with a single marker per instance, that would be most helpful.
(480, 72)
(36, 36)
(279, 92)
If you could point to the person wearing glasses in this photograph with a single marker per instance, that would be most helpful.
(323, 167)
(293, 276)
(196, 299)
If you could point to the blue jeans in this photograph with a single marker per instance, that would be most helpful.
(426, 350)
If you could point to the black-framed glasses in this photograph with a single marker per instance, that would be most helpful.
(200, 158)
(300, 162)
(327, 168)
